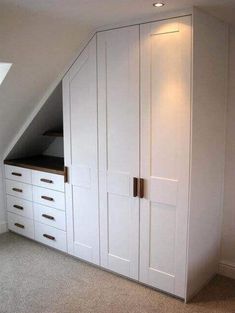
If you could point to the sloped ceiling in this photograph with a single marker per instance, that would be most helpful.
(41, 37)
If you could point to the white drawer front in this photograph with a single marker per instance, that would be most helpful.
(54, 199)
(20, 206)
(48, 180)
(18, 173)
(51, 236)
(49, 216)
(18, 189)
(21, 225)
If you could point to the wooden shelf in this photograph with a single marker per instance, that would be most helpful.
(42, 163)
(54, 133)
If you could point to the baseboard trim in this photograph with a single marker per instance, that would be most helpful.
(3, 228)
(227, 269)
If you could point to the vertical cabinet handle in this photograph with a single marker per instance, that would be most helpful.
(65, 174)
(141, 188)
(135, 187)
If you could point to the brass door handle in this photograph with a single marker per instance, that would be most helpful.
(65, 174)
(141, 188)
(48, 181)
(135, 187)
(18, 207)
(48, 237)
(48, 217)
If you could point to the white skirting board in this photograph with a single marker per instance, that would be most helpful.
(227, 269)
(3, 228)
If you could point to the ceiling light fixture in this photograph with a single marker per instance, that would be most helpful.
(4, 68)
(158, 4)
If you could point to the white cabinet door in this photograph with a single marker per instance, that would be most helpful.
(118, 102)
(81, 156)
(165, 148)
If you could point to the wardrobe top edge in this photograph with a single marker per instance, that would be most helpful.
(150, 19)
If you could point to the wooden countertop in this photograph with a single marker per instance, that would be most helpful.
(42, 163)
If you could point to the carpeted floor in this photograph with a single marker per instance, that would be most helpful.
(36, 279)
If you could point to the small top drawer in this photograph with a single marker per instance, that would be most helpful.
(18, 173)
(19, 190)
(48, 180)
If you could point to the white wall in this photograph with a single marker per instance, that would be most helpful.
(56, 148)
(227, 266)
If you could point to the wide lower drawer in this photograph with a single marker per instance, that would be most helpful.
(51, 198)
(19, 190)
(18, 173)
(49, 216)
(21, 225)
(48, 180)
(51, 236)
(20, 206)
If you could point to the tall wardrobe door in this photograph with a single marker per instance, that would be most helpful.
(165, 149)
(118, 102)
(81, 155)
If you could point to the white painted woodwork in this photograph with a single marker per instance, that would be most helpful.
(56, 217)
(26, 223)
(118, 103)
(27, 213)
(48, 180)
(20, 206)
(19, 189)
(81, 156)
(165, 136)
(59, 240)
(143, 101)
(18, 174)
(56, 198)
(210, 58)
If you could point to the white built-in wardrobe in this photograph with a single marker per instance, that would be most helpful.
(144, 110)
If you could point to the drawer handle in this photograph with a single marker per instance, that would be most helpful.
(48, 237)
(17, 190)
(16, 174)
(19, 225)
(48, 181)
(18, 207)
(47, 198)
(48, 217)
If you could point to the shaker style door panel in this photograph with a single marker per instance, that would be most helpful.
(165, 137)
(118, 102)
(81, 156)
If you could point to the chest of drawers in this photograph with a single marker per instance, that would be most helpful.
(36, 205)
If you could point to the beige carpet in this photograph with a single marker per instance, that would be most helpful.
(36, 279)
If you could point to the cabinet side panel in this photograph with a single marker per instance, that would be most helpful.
(208, 146)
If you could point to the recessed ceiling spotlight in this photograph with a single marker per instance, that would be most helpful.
(158, 4)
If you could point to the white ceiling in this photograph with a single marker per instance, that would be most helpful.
(102, 12)
(40, 38)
